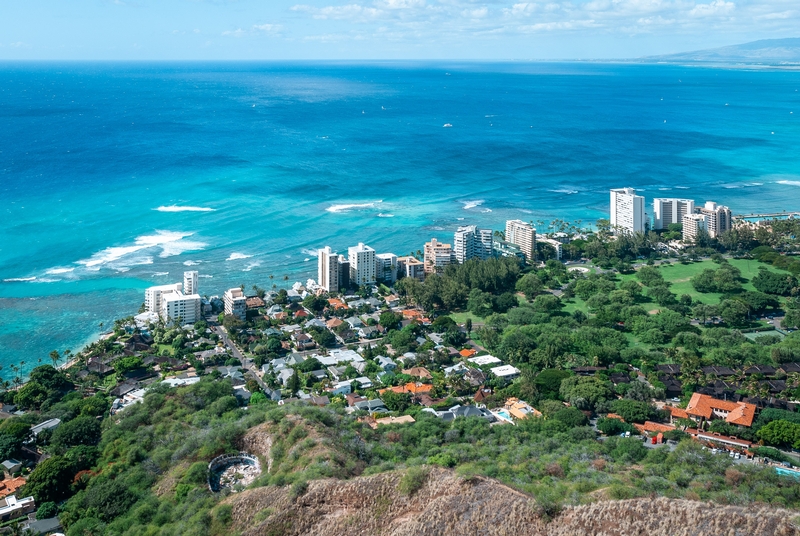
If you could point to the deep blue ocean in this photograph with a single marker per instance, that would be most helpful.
(115, 177)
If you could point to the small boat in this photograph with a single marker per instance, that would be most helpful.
(447, 125)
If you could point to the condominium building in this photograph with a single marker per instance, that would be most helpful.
(694, 224)
(437, 256)
(670, 210)
(719, 218)
(362, 264)
(627, 211)
(344, 272)
(328, 269)
(153, 296)
(182, 308)
(472, 243)
(386, 267)
(522, 234)
(410, 267)
(173, 302)
(190, 282)
(235, 303)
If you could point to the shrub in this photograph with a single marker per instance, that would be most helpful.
(46, 510)
(413, 480)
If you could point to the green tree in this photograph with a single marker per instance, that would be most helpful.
(733, 312)
(396, 401)
(584, 392)
(781, 433)
(530, 285)
(50, 481)
(774, 283)
(83, 430)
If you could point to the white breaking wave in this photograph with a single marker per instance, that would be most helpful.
(191, 263)
(170, 242)
(486, 210)
(472, 204)
(238, 256)
(790, 183)
(159, 274)
(206, 276)
(176, 208)
(336, 209)
(56, 271)
(19, 279)
(682, 187)
(309, 251)
(251, 266)
(382, 215)
(564, 191)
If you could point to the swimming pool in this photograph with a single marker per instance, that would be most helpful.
(787, 472)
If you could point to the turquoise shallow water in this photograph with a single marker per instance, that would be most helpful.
(114, 177)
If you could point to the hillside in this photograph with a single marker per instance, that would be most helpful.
(771, 51)
(447, 504)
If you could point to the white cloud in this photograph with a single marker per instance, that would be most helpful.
(714, 9)
(234, 33)
(268, 28)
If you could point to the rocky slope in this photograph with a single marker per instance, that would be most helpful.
(442, 503)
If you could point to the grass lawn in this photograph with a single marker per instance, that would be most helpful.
(461, 317)
(167, 347)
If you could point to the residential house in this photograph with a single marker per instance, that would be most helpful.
(519, 409)
(274, 310)
(475, 377)
(354, 322)
(465, 411)
(419, 372)
(368, 332)
(392, 301)
(484, 360)
(295, 359)
(12, 466)
(764, 370)
(719, 371)
(49, 424)
(364, 382)
(506, 372)
(372, 406)
(304, 341)
(319, 375)
(386, 363)
(284, 375)
(669, 369)
(342, 388)
(458, 368)
(12, 508)
(468, 352)
(316, 323)
(9, 486)
(233, 373)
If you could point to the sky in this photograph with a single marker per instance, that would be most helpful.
(382, 29)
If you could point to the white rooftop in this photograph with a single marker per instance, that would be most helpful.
(484, 360)
(505, 370)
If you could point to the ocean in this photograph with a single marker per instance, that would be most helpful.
(118, 176)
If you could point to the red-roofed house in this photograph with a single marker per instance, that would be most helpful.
(704, 407)
(467, 352)
(650, 426)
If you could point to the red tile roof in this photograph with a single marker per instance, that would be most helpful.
(650, 426)
(677, 413)
(467, 352)
(705, 406)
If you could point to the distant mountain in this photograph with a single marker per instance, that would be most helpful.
(770, 51)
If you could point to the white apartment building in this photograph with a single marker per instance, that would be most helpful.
(627, 211)
(235, 303)
(522, 234)
(472, 243)
(180, 307)
(693, 224)
(719, 218)
(153, 296)
(362, 264)
(670, 210)
(328, 269)
(386, 267)
(170, 302)
(558, 246)
(410, 267)
(190, 282)
(437, 256)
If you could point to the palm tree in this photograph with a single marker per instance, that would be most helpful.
(55, 357)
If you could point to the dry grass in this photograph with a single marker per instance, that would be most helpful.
(447, 505)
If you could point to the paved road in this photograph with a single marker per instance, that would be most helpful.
(247, 364)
